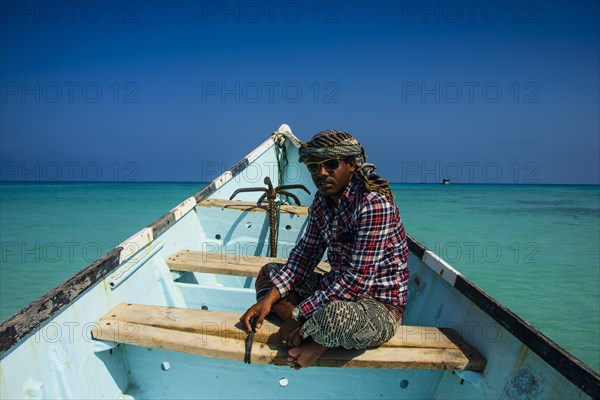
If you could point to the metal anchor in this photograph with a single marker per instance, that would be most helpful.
(271, 194)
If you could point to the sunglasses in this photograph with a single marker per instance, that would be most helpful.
(330, 165)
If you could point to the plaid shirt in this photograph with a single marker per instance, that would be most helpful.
(366, 247)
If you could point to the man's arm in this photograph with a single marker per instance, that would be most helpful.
(303, 258)
(260, 310)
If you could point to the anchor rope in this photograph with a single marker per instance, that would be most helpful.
(282, 161)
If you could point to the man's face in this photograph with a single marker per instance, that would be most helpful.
(331, 183)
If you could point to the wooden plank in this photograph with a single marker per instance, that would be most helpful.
(264, 353)
(225, 324)
(186, 342)
(205, 322)
(251, 206)
(224, 263)
(406, 358)
(217, 334)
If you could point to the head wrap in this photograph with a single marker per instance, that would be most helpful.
(336, 144)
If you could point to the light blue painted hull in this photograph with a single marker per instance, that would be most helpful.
(54, 356)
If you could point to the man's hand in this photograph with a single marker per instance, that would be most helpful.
(260, 310)
(290, 333)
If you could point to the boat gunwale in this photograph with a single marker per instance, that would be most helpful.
(29, 318)
(25, 321)
(568, 365)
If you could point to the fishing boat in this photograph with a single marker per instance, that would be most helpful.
(157, 316)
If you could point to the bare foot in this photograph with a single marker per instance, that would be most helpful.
(305, 355)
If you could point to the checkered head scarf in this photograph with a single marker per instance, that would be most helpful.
(336, 144)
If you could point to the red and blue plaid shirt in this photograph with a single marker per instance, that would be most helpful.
(366, 247)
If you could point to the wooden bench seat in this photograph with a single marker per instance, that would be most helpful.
(250, 206)
(218, 335)
(223, 263)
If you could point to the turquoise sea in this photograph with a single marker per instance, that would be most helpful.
(536, 248)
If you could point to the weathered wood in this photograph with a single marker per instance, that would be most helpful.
(207, 321)
(224, 263)
(205, 192)
(186, 342)
(32, 316)
(217, 334)
(252, 206)
(163, 223)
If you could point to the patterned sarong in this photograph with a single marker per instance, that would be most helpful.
(357, 324)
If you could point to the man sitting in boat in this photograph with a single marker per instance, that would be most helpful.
(361, 301)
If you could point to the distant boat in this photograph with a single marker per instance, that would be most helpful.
(157, 316)
(445, 181)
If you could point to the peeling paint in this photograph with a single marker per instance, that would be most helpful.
(134, 243)
(523, 386)
(183, 208)
(34, 389)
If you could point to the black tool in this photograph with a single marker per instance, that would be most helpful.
(250, 340)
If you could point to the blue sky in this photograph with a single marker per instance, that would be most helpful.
(489, 92)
